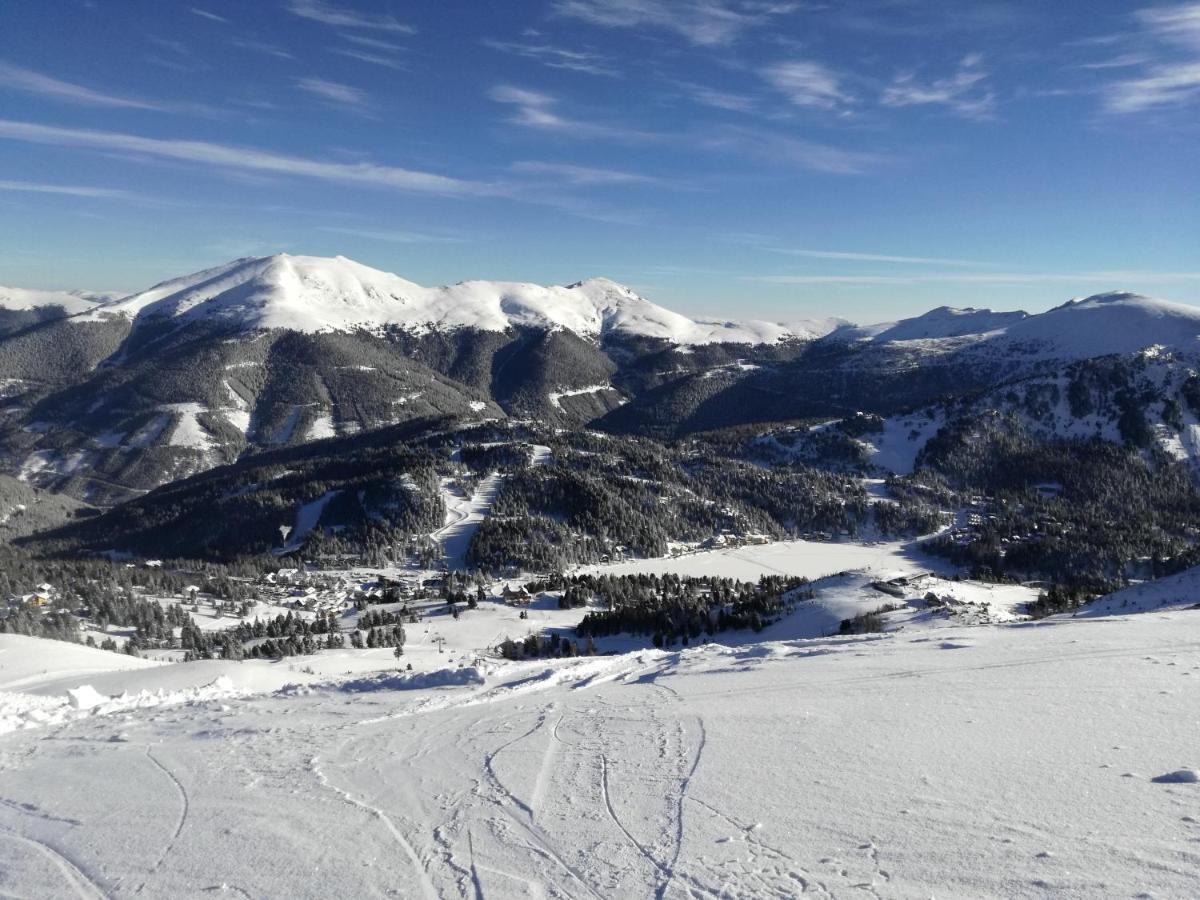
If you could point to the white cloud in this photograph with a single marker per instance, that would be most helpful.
(373, 58)
(246, 160)
(341, 17)
(1176, 24)
(780, 149)
(338, 94)
(962, 92)
(538, 110)
(875, 257)
(70, 190)
(558, 57)
(371, 42)
(807, 83)
(392, 237)
(212, 16)
(702, 22)
(1164, 85)
(1107, 277)
(43, 85)
(534, 109)
(261, 47)
(720, 99)
(583, 175)
(1170, 76)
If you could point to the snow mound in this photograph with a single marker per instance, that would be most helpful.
(391, 681)
(318, 294)
(20, 711)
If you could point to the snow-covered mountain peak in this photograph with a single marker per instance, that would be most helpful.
(315, 294)
(1113, 322)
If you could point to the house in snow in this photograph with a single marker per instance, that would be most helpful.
(518, 596)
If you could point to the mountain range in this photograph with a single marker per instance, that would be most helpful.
(108, 397)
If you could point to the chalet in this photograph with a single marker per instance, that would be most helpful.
(516, 597)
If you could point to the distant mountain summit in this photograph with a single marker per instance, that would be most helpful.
(313, 294)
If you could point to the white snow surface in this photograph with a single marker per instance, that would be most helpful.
(807, 559)
(942, 322)
(1115, 322)
(1181, 589)
(1023, 761)
(72, 302)
(315, 294)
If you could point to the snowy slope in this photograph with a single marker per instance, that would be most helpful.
(72, 302)
(315, 294)
(1182, 589)
(1014, 762)
(1117, 322)
(26, 661)
(942, 322)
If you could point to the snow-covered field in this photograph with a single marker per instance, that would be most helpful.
(1005, 761)
(810, 559)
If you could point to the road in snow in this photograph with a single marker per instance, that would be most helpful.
(1011, 762)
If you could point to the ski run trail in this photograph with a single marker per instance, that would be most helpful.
(1051, 759)
(464, 514)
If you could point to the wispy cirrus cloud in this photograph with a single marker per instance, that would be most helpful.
(784, 150)
(31, 82)
(374, 59)
(393, 237)
(211, 16)
(37, 84)
(558, 57)
(963, 92)
(261, 47)
(998, 279)
(537, 110)
(701, 22)
(876, 257)
(719, 99)
(340, 95)
(807, 83)
(236, 159)
(372, 43)
(1174, 84)
(1169, 73)
(772, 245)
(343, 17)
(583, 175)
(68, 190)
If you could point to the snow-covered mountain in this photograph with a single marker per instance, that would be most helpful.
(315, 294)
(1115, 322)
(71, 302)
(278, 350)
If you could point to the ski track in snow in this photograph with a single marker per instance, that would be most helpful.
(81, 884)
(982, 762)
(183, 815)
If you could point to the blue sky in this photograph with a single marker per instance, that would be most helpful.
(736, 158)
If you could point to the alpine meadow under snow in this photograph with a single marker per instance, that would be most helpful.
(599, 450)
